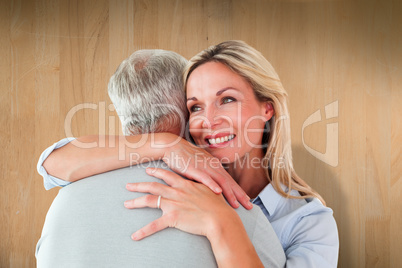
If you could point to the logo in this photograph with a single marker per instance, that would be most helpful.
(330, 156)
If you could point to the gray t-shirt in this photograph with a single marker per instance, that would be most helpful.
(87, 225)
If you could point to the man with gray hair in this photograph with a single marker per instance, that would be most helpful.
(147, 92)
(87, 224)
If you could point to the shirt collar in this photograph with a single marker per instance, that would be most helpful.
(270, 198)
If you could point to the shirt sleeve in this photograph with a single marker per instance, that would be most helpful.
(314, 241)
(267, 244)
(48, 180)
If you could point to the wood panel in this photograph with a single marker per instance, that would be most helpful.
(343, 56)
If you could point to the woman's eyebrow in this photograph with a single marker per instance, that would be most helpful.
(193, 99)
(217, 93)
(223, 90)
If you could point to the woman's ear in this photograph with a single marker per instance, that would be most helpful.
(269, 110)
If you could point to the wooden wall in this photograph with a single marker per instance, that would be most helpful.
(341, 59)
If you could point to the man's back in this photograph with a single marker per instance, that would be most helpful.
(88, 226)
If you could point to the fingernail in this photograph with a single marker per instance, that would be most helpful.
(126, 203)
(237, 203)
(134, 236)
(218, 190)
(150, 170)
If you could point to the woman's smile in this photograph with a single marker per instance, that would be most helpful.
(219, 140)
(225, 116)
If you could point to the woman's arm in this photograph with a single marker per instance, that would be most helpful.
(193, 208)
(90, 155)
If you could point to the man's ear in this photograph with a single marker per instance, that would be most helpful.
(268, 110)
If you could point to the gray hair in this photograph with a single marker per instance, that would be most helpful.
(147, 92)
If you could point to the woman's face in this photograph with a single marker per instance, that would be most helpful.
(225, 116)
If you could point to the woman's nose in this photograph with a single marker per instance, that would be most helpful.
(211, 119)
(206, 123)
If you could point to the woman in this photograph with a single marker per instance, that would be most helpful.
(238, 114)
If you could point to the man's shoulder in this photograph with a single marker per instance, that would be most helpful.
(115, 178)
(263, 236)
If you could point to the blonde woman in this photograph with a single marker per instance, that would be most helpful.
(239, 120)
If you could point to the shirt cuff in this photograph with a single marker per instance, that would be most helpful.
(48, 180)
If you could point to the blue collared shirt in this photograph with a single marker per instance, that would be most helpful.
(305, 227)
(48, 180)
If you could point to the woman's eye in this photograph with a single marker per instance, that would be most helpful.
(195, 108)
(227, 100)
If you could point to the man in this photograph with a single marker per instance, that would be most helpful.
(87, 224)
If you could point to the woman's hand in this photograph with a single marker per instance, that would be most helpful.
(186, 205)
(197, 164)
(193, 208)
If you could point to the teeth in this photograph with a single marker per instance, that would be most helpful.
(221, 139)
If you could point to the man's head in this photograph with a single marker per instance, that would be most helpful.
(147, 92)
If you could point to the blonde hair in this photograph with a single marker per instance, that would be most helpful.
(254, 68)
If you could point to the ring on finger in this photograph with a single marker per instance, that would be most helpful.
(158, 205)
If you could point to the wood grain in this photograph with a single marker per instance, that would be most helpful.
(58, 55)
